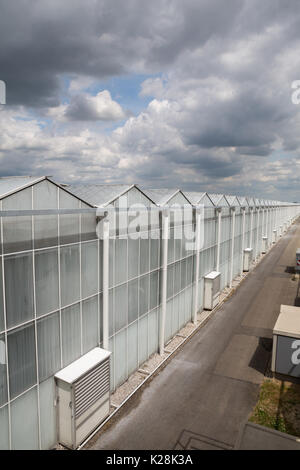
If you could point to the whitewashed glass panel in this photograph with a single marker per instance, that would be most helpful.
(68, 223)
(4, 437)
(17, 231)
(120, 358)
(48, 414)
(153, 332)
(120, 261)
(121, 302)
(1, 299)
(143, 295)
(133, 301)
(70, 334)
(45, 196)
(70, 274)
(89, 268)
(3, 372)
(90, 323)
(132, 347)
(48, 346)
(144, 255)
(154, 289)
(24, 422)
(18, 288)
(21, 359)
(133, 258)
(46, 280)
(143, 339)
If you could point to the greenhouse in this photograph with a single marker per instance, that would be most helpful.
(115, 266)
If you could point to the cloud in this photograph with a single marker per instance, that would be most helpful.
(218, 77)
(84, 107)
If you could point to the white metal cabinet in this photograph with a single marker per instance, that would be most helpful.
(212, 290)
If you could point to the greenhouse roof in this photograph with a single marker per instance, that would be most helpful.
(162, 196)
(12, 184)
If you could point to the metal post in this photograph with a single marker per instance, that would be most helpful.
(219, 209)
(257, 227)
(232, 245)
(165, 238)
(198, 222)
(251, 228)
(105, 282)
(243, 237)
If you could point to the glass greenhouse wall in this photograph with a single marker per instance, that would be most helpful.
(51, 284)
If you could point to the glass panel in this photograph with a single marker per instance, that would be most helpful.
(3, 376)
(133, 258)
(48, 346)
(89, 268)
(45, 196)
(48, 414)
(21, 359)
(153, 332)
(133, 301)
(18, 288)
(17, 231)
(1, 299)
(143, 339)
(46, 280)
(24, 422)
(4, 439)
(143, 295)
(111, 262)
(88, 225)
(69, 269)
(90, 323)
(132, 347)
(120, 307)
(154, 258)
(120, 261)
(70, 333)
(170, 281)
(68, 223)
(144, 256)
(111, 312)
(154, 289)
(120, 357)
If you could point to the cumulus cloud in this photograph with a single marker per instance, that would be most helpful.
(219, 77)
(84, 107)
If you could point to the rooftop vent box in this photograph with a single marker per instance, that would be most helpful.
(286, 342)
(298, 260)
(248, 257)
(212, 290)
(83, 396)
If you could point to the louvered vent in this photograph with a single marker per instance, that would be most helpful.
(93, 386)
(83, 396)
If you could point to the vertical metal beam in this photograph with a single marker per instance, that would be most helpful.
(243, 238)
(257, 230)
(251, 228)
(197, 243)
(232, 246)
(219, 210)
(105, 280)
(165, 239)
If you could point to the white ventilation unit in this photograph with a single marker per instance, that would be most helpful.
(264, 245)
(83, 396)
(211, 290)
(248, 257)
(274, 235)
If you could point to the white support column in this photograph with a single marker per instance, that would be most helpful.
(219, 209)
(105, 278)
(257, 232)
(262, 229)
(165, 238)
(232, 245)
(251, 228)
(197, 241)
(243, 238)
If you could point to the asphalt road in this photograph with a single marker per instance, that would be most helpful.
(204, 394)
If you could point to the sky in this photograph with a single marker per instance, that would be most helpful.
(193, 94)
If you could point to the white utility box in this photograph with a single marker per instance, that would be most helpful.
(281, 230)
(83, 396)
(264, 244)
(248, 257)
(286, 342)
(274, 236)
(298, 260)
(212, 290)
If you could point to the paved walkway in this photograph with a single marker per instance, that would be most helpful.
(201, 398)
